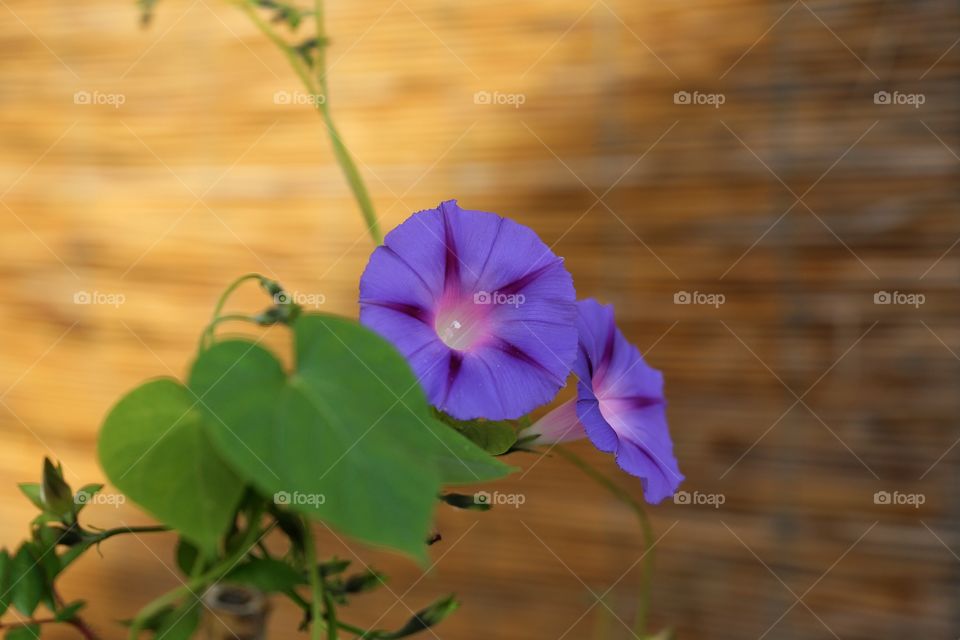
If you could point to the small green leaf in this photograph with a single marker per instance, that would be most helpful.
(462, 501)
(363, 582)
(187, 554)
(5, 581)
(55, 492)
(266, 574)
(180, 623)
(332, 567)
(85, 494)
(26, 580)
(23, 632)
(154, 620)
(69, 611)
(34, 494)
(525, 443)
(426, 618)
(46, 540)
(154, 447)
(77, 548)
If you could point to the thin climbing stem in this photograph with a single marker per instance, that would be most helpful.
(233, 286)
(320, 600)
(347, 165)
(152, 528)
(643, 604)
(210, 331)
(206, 336)
(296, 62)
(316, 85)
(95, 539)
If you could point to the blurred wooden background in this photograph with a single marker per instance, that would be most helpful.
(202, 173)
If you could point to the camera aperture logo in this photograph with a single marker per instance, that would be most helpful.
(714, 100)
(897, 498)
(696, 498)
(498, 297)
(915, 100)
(99, 297)
(699, 298)
(899, 298)
(286, 498)
(300, 298)
(515, 100)
(514, 500)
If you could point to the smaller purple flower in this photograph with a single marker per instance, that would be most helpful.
(481, 308)
(619, 406)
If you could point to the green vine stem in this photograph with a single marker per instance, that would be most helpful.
(643, 605)
(109, 533)
(209, 331)
(76, 623)
(206, 337)
(349, 168)
(95, 539)
(319, 600)
(316, 86)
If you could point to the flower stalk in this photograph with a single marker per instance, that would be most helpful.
(643, 604)
(316, 85)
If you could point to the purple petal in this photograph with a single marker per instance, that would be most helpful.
(481, 308)
(601, 434)
(620, 403)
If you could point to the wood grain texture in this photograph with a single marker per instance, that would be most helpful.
(200, 175)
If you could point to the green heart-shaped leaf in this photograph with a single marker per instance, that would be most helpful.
(376, 363)
(347, 438)
(154, 447)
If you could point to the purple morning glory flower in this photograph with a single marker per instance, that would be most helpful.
(619, 406)
(481, 308)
